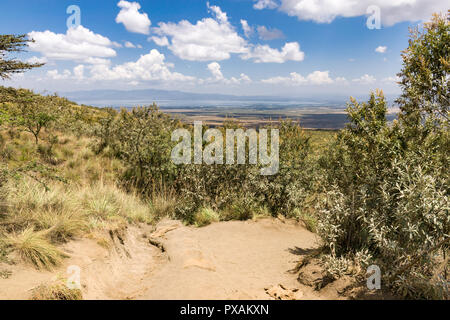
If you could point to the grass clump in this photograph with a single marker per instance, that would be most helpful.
(205, 216)
(62, 226)
(33, 247)
(308, 218)
(163, 204)
(56, 291)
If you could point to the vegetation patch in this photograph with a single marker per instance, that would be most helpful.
(56, 291)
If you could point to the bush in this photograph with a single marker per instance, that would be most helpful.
(388, 200)
(142, 140)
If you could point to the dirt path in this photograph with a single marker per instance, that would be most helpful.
(229, 260)
(226, 260)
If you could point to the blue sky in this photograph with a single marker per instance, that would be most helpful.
(248, 47)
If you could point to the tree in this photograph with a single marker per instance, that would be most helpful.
(10, 44)
(425, 79)
(32, 112)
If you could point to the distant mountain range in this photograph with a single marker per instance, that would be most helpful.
(152, 94)
(170, 98)
(180, 99)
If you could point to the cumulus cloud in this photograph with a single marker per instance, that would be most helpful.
(162, 42)
(217, 76)
(214, 68)
(263, 4)
(66, 74)
(35, 59)
(269, 34)
(392, 12)
(210, 39)
(265, 54)
(132, 19)
(248, 31)
(295, 79)
(78, 72)
(149, 67)
(392, 79)
(55, 75)
(365, 79)
(381, 49)
(129, 45)
(79, 44)
(215, 39)
(341, 80)
(319, 77)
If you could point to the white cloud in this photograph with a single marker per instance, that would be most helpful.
(392, 12)
(341, 80)
(210, 39)
(78, 72)
(55, 75)
(149, 67)
(269, 34)
(214, 68)
(295, 79)
(132, 19)
(265, 54)
(79, 44)
(217, 76)
(245, 78)
(263, 4)
(162, 42)
(365, 79)
(319, 77)
(91, 60)
(130, 45)
(392, 79)
(381, 49)
(248, 31)
(35, 59)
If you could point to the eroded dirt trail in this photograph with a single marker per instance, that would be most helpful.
(229, 260)
(226, 260)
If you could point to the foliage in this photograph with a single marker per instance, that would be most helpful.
(142, 139)
(424, 78)
(205, 216)
(57, 290)
(9, 44)
(388, 200)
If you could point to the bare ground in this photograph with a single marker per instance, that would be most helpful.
(226, 260)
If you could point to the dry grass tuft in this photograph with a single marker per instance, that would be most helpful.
(33, 247)
(205, 216)
(56, 291)
(163, 204)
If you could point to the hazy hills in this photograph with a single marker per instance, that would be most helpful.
(175, 98)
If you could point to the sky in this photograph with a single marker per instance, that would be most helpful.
(298, 48)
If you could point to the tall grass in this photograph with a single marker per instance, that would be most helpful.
(33, 247)
(35, 218)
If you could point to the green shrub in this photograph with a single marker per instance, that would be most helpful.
(205, 216)
(388, 200)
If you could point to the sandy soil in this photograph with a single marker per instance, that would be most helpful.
(226, 260)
